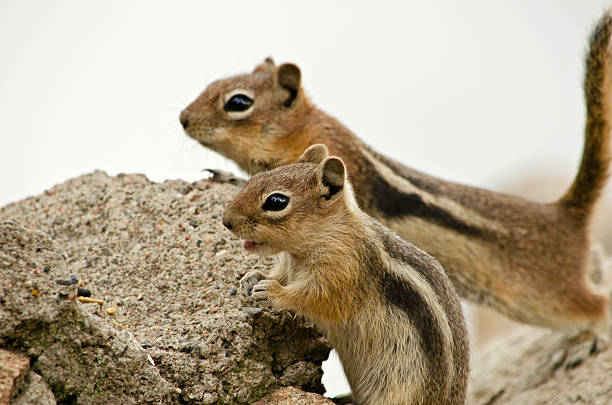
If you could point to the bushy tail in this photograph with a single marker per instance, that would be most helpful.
(593, 172)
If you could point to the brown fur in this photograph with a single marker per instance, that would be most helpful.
(527, 260)
(593, 171)
(387, 308)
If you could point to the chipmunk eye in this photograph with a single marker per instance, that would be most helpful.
(276, 202)
(238, 102)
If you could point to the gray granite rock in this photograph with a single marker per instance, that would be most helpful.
(172, 327)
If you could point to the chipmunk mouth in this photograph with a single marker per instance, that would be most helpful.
(251, 246)
(259, 248)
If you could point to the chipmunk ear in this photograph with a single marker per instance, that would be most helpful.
(332, 176)
(288, 78)
(266, 66)
(314, 154)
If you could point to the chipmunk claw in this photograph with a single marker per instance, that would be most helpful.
(249, 280)
(580, 348)
(261, 290)
(221, 176)
(577, 354)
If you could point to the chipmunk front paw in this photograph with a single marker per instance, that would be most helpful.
(250, 279)
(263, 289)
(221, 176)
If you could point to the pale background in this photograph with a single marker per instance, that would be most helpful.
(474, 91)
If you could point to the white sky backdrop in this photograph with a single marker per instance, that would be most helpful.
(472, 91)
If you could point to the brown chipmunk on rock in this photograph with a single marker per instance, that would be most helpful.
(527, 260)
(385, 306)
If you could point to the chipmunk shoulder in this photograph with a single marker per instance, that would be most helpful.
(386, 306)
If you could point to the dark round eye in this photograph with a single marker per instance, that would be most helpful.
(276, 202)
(238, 102)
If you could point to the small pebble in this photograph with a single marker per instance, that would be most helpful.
(83, 292)
(87, 300)
(233, 291)
(35, 292)
(63, 282)
(46, 269)
(111, 310)
(221, 253)
(74, 279)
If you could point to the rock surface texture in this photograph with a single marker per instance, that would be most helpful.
(171, 326)
(13, 369)
(526, 368)
(293, 396)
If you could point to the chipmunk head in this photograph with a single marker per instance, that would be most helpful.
(244, 116)
(287, 208)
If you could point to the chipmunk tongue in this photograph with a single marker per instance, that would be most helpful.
(249, 244)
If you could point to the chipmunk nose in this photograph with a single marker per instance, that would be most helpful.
(227, 221)
(184, 119)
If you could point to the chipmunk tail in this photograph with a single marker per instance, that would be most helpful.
(594, 167)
